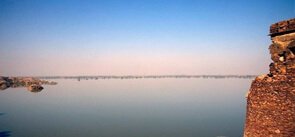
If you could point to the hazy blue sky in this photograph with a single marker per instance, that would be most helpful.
(88, 37)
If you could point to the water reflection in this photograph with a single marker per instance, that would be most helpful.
(32, 88)
(5, 133)
(3, 87)
(128, 108)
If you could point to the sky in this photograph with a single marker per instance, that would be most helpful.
(137, 37)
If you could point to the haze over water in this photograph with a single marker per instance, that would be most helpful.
(127, 108)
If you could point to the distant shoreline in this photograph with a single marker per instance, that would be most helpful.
(148, 77)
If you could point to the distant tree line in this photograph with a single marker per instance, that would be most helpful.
(148, 77)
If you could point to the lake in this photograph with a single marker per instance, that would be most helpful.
(166, 107)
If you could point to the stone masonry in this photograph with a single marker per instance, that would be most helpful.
(271, 98)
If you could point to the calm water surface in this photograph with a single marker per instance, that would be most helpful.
(127, 108)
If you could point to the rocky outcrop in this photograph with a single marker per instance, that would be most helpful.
(271, 98)
(35, 88)
(32, 84)
(5, 83)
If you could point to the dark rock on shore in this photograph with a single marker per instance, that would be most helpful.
(4, 83)
(35, 88)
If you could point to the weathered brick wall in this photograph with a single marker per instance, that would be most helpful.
(271, 98)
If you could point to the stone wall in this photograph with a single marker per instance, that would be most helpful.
(271, 98)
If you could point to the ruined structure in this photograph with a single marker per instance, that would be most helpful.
(271, 98)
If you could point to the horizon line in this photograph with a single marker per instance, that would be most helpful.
(127, 75)
(96, 77)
